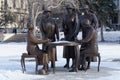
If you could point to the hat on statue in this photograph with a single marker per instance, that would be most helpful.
(69, 6)
(47, 10)
(85, 7)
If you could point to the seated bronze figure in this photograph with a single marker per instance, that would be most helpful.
(33, 48)
(89, 43)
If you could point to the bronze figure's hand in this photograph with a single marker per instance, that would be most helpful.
(48, 40)
(62, 39)
(78, 41)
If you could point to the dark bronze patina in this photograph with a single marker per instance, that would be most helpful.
(69, 27)
(50, 31)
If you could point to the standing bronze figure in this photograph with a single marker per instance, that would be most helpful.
(90, 16)
(50, 31)
(69, 27)
(86, 14)
(33, 48)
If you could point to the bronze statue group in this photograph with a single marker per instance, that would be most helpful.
(72, 24)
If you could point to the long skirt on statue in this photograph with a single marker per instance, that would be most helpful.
(87, 51)
(69, 52)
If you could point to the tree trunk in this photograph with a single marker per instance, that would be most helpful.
(102, 36)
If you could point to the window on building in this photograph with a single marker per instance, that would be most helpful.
(14, 3)
(22, 4)
(116, 3)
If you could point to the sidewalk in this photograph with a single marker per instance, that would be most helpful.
(11, 37)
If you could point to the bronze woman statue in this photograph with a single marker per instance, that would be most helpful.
(69, 27)
(89, 42)
(50, 31)
(86, 14)
(90, 16)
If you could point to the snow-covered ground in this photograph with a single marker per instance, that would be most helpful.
(10, 67)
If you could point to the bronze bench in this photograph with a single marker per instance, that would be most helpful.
(94, 55)
(25, 55)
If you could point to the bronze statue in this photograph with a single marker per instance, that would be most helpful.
(89, 42)
(49, 29)
(86, 14)
(90, 16)
(93, 22)
(33, 48)
(69, 27)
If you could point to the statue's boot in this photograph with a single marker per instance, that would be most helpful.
(82, 68)
(66, 66)
(73, 70)
(72, 65)
(42, 72)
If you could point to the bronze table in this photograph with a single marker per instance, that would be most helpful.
(65, 43)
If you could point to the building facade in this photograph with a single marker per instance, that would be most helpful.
(18, 7)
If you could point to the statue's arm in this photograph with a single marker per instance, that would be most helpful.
(89, 36)
(95, 20)
(36, 40)
(64, 28)
(57, 31)
(77, 30)
(41, 28)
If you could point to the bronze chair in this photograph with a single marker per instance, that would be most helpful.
(93, 55)
(25, 55)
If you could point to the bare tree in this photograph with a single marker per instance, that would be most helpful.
(35, 8)
(57, 3)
